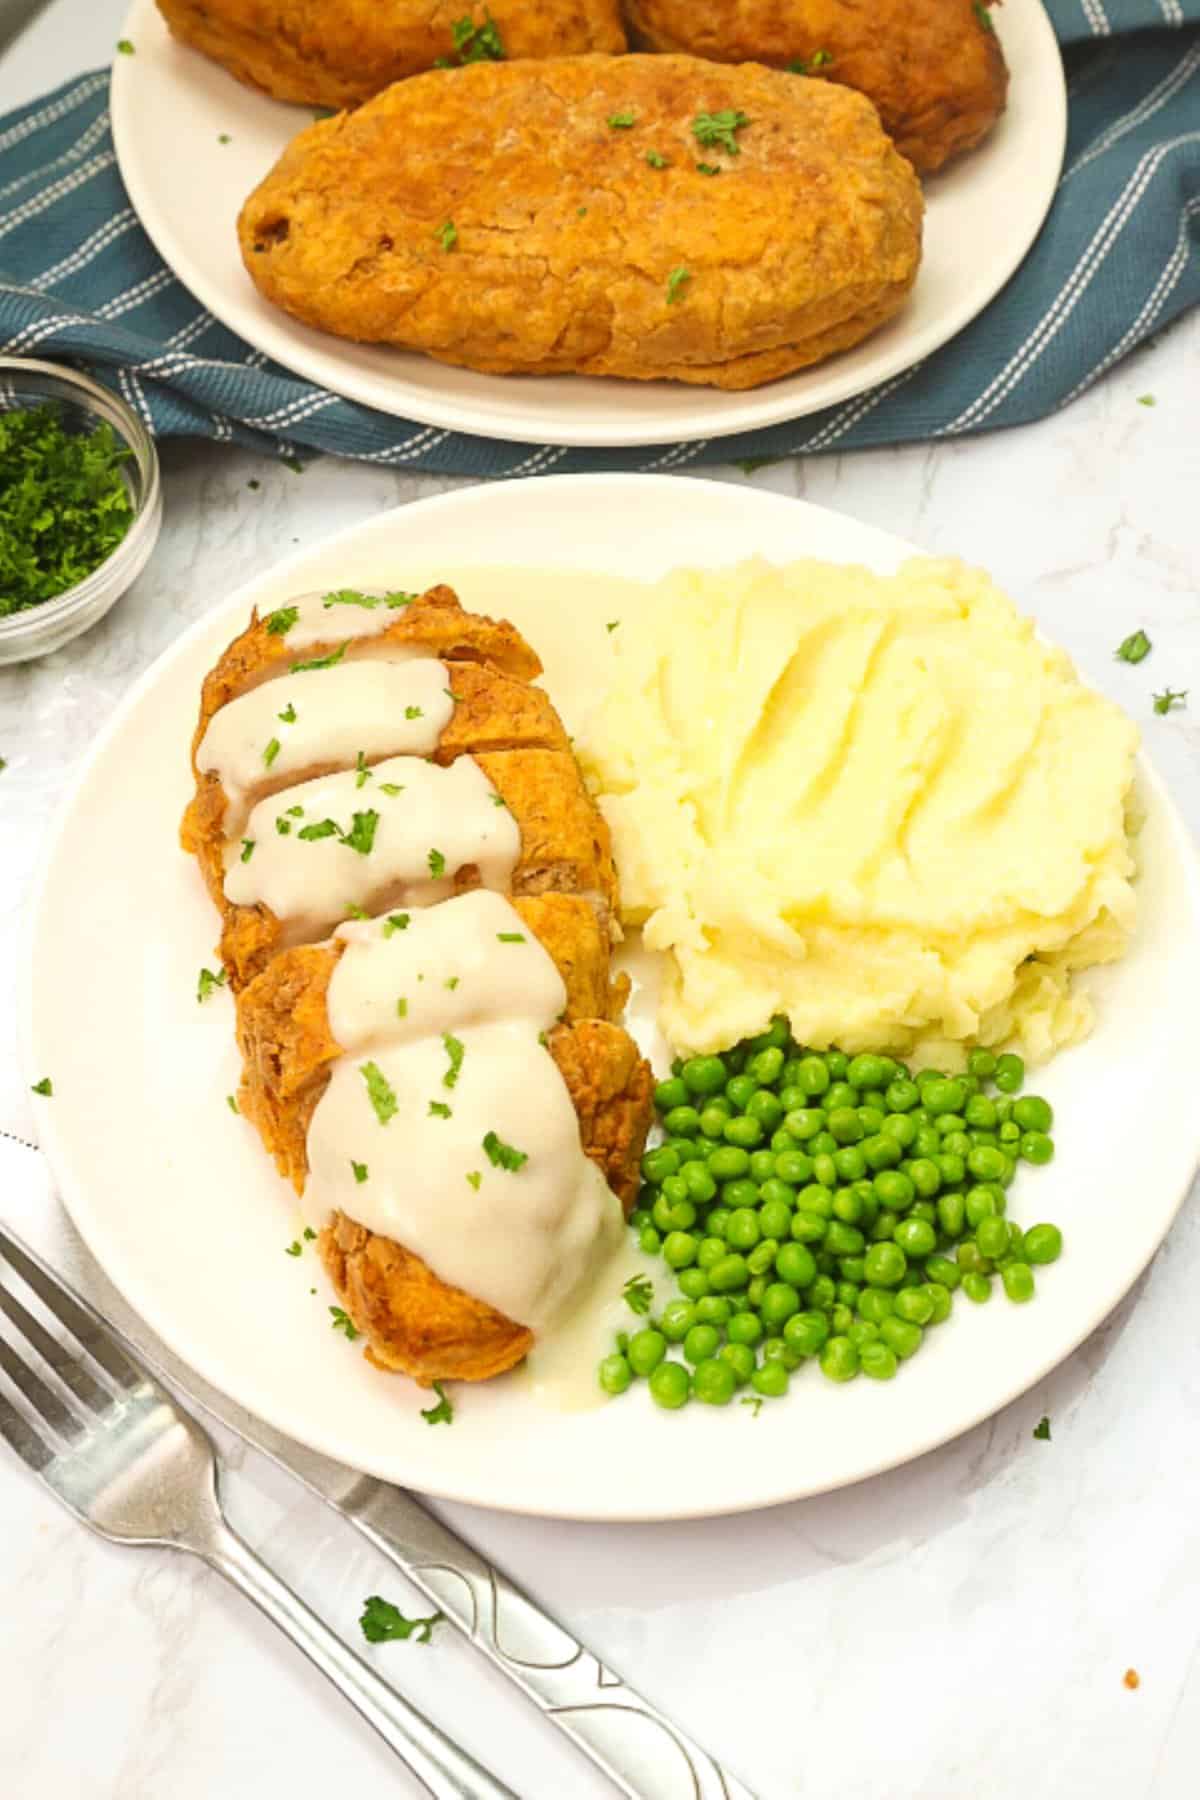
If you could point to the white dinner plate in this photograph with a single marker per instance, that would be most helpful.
(171, 108)
(178, 1201)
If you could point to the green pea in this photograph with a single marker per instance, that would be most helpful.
(701, 1188)
(767, 1065)
(735, 1195)
(765, 1107)
(861, 1332)
(781, 1139)
(812, 1075)
(704, 1075)
(615, 1374)
(970, 1261)
(874, 1304)
(729, 1274)
(944, 1096)
(805, 1123)
(692, 1282)
(821, 1294)
(901, 1127)
(771, 1380)
(981, 1204)
(825, 1170)
(670, 1385)
(980, 1113)
(805, 1332)
(658, 1164)
(986, 1164)
(712, 1251)
(925, 1076)
(744, 1132)
(850, 1163)
(701, 1341)
(775, 1219)
(671, 1215)
(915, 1237)
(682, 1121)
(740, 1089)
(740, 1358)
(951, 1168)
(894, 1189)
(952, 1214)
(718, 1219)
(1010, 1074)
(761, 1259)
(841, 1318)
(941, 1300)
(914, 1306)
(840, 1095)
(779, 1303)
(901, 1335)
(795, 1264)
(837, 1062)
(981, 1064)
(794, 1167)
(1032, 1113)
(943, 1270)
(839, 1359)
(902, 1094)
(867, 1071)
(679, 1249)
(848, 1294)
(824, 1144)
(1004, 1106)
(878, 1360)
(985, 1137)
(742, 1231)
(713, 1380)
(885, 1224)
(762, 1166)
(781, 1192)
(991, 1235)
(671, 1093)
(728, 1163)
(713, 1309)
(843, 1240)
(649, 1242)
(1036, 1147)
(712, 1120)
(676, 1320)
(646, 1350)
(1043, 1244)
(807, 1227)
(882, 1150)
(847, 1208)
(927, 1142)
(977, 1287)
(1018, 1281)
(872, 1119)
(886, 1265)
(925, 1176)
(1008, 1134)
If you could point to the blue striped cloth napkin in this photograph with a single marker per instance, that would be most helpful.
(1118, 259)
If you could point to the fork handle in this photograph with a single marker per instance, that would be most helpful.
(442, 1768)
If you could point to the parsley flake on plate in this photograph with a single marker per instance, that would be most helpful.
(497, 800)
(1042, 1429)
(395, 922)
(321, 829)
(447, 235)
(1146, 400)
(677, 280)
(1135, 648)
(439, 1110)
(502, 1155)
(455, 1050)
(223, 137)
(719, 128)
(437, 864)
(1169, 699)
(309, 1234)
(612, 625)
(320, 662)
(125, 46)
(443, 1412)
(361, 835)
(248, 848)
(351, 597)
(271, 752)
(754, 1400)
(44, 1087)
(283, 826)
(343, 1322)
(391, 788)
(414, 712)
(280, 622)
(208, 983)
(402, 1008)
(232, 1104)
(451, 982)
(638, 1293)
(511, 937)
(362, 773)
(288, 715)
(360, 1171)
(294, 1248)
(383, 1623)
(475, 1178)
(380, 1092)
(356, 912)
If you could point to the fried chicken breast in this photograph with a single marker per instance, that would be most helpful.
(646, 217)
(933, 68)
(339, 52)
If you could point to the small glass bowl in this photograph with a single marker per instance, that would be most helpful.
(81, 403)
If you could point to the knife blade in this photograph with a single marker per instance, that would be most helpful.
(638, 1747)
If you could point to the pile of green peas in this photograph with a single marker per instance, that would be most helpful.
(816, 1206)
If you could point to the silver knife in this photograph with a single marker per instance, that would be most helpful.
(647, 1756)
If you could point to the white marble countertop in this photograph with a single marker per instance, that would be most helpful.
(960, 1627)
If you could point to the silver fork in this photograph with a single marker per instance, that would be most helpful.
(135, 1467)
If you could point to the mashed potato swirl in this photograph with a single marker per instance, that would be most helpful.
(882, 806)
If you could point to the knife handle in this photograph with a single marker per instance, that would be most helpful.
(647, 1756)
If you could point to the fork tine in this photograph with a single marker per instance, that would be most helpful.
(64, 1362)
(86, 1331)
(19, 1434)
(43, 1399)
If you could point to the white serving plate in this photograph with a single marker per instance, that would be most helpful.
(181, 1206)
(171, 106)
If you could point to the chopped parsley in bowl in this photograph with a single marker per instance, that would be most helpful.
(80, 504)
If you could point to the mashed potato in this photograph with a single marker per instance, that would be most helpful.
(881, 806)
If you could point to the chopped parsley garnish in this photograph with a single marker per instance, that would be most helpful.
(477, 43)
(397, 598)
(621, 121)
(1146, 400)
(1169, 699)
(223, 137)
(638, 1293)
(439, 1110)
(707, 169)
(820, 59)
(1135, 648)
(361, 770)
(280, 622)
(475, 1178)
(657, 160)
(497, 800)
(283, 826)
(232, 1104)
(676, 281)
(64, 506)
(208, 983)
(356, 912)
(125, 46)
(320, 662)
(511, 937)
(451, 982)
(719, 128)
(295, 812)
(293, 463)
(502, 1155)
(288, 715)
(395, 922)
(402, 1008)
(451, 695)
(612, 624)
(443, 1412)
(44, 1087)
(294, 1249)
(437, 864)
(343, 1322)
(754, 1400)
(413, 712)
(360, 1171)
(982, 14)
(248, 848)
(381, 1622)
(581, 212)
(309, 1234)
(1042, 1429)
(361, 835)
(391, 788)
(351, 597)
(447, 235)
(271, 752)
(323, 829)
(455, 1051)
(543, 1040)
(380, 1092)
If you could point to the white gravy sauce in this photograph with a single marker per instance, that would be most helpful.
(294, 723)
(470, 961)
(332, 614)
(397, 837)
(523, 1239)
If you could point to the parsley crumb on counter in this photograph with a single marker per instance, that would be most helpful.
(381, 1622)
(1135, 648)
(1169, 699)
(45, 1087)
(64, 505)
(1042, 1429)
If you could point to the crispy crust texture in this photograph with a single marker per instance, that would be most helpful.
(338, 52)
(568, 238)
(933, 68)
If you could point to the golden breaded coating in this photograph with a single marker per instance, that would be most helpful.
(553, 217)
(418, 1324)
(288, 1048)
(933, 68)
(338, 52)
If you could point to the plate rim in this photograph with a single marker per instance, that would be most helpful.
(470, 418)
(83, 1216)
